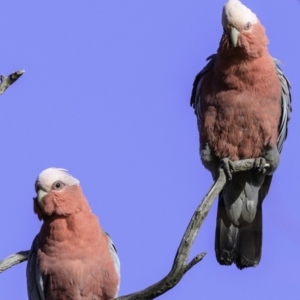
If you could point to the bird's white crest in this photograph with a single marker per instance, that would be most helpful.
(50, 175)
(236, 13)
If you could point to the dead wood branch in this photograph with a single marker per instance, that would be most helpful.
(6, 82)
(180, 264)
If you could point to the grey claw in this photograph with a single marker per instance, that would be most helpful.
(261, 164)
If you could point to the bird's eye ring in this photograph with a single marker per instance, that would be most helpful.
(58, 185)
(247, 26)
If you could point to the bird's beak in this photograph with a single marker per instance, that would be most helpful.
(40, 195)
(233, 36)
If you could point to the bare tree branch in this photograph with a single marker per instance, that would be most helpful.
(180, 264)
(9, 80)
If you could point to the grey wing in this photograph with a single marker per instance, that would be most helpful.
(196, 91)
(114, 255)
(286, 108)
(35, 284)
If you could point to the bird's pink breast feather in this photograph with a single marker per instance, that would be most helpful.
(74, 253)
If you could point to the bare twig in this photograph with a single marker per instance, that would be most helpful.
(180, 264)
(12, 260)
(9, 80)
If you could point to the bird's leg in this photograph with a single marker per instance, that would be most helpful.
(226, 165)
(269, 162)
(209, 160)
(272, 157)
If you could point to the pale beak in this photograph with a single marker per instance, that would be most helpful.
(233, 36)
(40, 195)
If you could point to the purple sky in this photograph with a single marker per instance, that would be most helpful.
(106, 95)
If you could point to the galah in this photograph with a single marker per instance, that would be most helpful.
(242, 102)
(71, 257)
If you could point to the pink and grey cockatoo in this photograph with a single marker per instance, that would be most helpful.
(242, 102)
(71, 257)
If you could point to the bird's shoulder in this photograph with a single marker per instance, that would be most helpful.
(199, 79)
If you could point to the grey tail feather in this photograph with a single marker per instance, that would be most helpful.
(240, 245)
(225, 238)
(249, 241)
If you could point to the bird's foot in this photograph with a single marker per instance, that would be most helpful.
(227, 166)
(261, 164)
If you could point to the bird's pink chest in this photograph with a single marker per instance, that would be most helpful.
(74, 279)
(239, 124)
(77, 267)
(241, 108)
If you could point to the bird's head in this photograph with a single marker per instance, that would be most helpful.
(243, 34)
(58, 194)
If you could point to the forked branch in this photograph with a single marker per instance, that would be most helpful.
(180, 264)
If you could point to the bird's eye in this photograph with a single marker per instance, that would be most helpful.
(247, 26)
(224, 30)
(58, 185)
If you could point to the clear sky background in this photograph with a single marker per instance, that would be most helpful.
(106, 95)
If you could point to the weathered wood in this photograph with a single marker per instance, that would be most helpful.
(180, 265)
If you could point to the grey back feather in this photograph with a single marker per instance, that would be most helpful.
(196, 91)
(286, 109)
